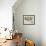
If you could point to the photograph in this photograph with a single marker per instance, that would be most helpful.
(29, 19)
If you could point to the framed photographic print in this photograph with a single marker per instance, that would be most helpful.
(28, 19)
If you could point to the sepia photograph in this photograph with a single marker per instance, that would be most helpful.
(29, 19)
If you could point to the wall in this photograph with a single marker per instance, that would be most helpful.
(43, 22)
(6, 13)
(29, 7)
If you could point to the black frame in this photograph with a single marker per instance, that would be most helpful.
(28, 15)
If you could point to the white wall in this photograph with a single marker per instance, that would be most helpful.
(6, 13)
(43, 22)
(29, 7)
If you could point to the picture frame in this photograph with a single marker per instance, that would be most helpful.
(29, 19)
